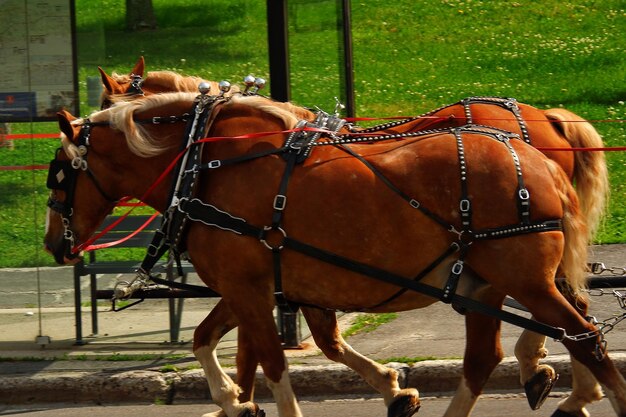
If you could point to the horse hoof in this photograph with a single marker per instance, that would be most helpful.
(561, 413)
(404, 406)
(256, 412)
(539, 386)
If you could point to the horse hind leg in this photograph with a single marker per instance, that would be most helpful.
(256, 322)
(325, 331)
(247, 364)
(483, 352)
(562, 314)
(585, 390)
(537, 379)
(585, 387)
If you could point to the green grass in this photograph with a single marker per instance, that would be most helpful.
(409, 57)
(365, 323)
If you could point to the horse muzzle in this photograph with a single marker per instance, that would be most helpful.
(63, 254)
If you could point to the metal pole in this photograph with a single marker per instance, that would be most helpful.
(347, 58)
(278, 45)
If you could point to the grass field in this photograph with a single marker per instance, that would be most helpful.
(409, 57)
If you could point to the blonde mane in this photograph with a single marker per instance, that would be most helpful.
(172, 81)
(121, 116)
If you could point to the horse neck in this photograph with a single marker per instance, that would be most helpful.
(146, 178)
(230, 120)
(236, 120)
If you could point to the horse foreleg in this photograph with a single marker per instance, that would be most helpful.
(224, 391)
(325, 330)
(585, 390)
(483, 353)
(247, 363)
(256, 323)
(537, 379)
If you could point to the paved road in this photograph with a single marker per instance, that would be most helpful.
(513, 405)
(436, 331)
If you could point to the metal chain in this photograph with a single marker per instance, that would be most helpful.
(602, 328)
(609, 324)
(598, 268)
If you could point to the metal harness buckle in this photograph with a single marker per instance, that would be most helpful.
(280, 201)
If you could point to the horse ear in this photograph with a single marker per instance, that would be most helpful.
(65, 124)
(109, 83)
(139, 67)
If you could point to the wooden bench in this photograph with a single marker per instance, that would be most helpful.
(287, 321)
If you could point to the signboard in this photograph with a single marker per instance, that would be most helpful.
(37, 61)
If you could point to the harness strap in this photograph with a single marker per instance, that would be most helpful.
(279, 204)
(169, 234)
(523, 196)
(465, 205)
(295, 150)
(412, 202)
(449, 251)
(449, 289)
(202, 289)
(509, 104)
(280, 200)
(210, 215)
(156, 249)
(218, 163)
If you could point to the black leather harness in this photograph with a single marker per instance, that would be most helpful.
(185, 207)
(295, 150)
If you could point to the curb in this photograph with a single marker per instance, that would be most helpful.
(100, 386)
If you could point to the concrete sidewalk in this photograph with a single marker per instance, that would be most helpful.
(131, 360)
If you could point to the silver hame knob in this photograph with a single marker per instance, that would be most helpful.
(259, 83)
(204, 87)
(249, 80)
(224, 86)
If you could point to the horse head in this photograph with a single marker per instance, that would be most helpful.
(122, 85)
(95, 168)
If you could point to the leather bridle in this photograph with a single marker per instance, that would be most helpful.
(62, 176)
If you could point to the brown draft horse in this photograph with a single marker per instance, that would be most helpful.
(125, 157)
(550, 128)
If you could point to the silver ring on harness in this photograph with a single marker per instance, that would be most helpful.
(264, 241)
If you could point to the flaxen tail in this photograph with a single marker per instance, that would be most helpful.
(590, 171)
(574, 260)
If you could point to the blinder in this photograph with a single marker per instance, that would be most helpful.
(61, 175)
